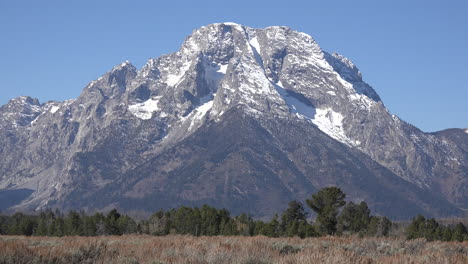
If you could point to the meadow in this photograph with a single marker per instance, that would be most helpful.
(227, 249)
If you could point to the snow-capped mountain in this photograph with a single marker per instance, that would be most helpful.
(243, 118)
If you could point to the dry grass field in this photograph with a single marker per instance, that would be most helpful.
(242, 250)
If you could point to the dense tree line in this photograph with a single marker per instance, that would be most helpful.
(334, 217)
(431, 230)
(51, 223)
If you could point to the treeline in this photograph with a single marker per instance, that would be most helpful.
(354, 218)
(208, 221)
(431, 230)
(51, 223)
(334, 217)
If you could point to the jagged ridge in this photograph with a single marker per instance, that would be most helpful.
(130, 119)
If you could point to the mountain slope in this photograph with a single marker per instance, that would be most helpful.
(257, 171)
(238, 117)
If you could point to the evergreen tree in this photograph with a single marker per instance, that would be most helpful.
(415, 229)
(126, 225)
(430, 231)
(167, 223)
(58, 227)
(274, 226)
(49, 217)
(245, 224)
(259, 228)
(326, 204)
(88, 225)
(447, 234)
(294, 212)
(229, 228)
(42, 229)
(459, 233)
(354, 218)
(292, 218)
(2, 225)
(306, 230)
(73, 224)
(385, 226)
(111, 221)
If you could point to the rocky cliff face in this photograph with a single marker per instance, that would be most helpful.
(243, 118)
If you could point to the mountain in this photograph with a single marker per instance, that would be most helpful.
(242, 118)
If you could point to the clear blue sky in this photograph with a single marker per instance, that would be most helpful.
(414, 53)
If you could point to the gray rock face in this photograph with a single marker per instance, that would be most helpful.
(242, 118)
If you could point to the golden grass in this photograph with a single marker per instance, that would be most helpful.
(242, 250)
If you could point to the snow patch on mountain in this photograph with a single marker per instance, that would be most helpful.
(222, 69)
(255, 44)
(54, 109)
(231, 24)
(362, 101)
(146, 109)
(301, 109)
(215, 73)
(466, 130)
(200, 112)
(327, 120)
(206, 104)
(331, 123)
(174, 79)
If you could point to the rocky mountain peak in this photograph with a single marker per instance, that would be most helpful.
(350, 73)
(24, 100)
(236, 117)
(274, 70)
(20, 111)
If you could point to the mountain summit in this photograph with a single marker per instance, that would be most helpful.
(242, 118)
